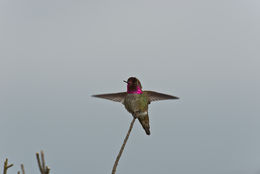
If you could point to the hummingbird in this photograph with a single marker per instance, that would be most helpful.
(136, 100)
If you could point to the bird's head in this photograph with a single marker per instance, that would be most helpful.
(133, 85)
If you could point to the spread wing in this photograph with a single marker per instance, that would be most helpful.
(155, 96)
(117, 97)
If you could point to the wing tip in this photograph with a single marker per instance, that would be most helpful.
(96, 95)
(176, 98)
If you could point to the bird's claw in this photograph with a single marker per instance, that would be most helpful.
(136, 114)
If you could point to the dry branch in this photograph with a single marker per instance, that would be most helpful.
(22, 167)
(41, 163)
(123, 146)
(23, 171)
(6, 166)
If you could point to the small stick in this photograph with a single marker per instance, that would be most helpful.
(41, 163)
(22, 167)
(6, 166)
(43, 160)
(123, 146)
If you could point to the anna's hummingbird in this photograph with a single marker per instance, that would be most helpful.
(136, 101)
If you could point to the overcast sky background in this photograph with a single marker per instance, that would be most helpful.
(55, 54)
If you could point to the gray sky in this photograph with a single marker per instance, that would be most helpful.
(54, 54)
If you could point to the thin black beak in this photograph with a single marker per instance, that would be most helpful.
(125, 81)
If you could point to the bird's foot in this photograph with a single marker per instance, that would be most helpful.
(136, 114)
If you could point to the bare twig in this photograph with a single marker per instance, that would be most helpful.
(22, 167)
(123, 146)
(41, 163)
(6, 166)
(43, 160)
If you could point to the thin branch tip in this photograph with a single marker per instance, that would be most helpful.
(123, 146)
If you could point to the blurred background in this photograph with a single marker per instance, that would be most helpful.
(55, 54)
